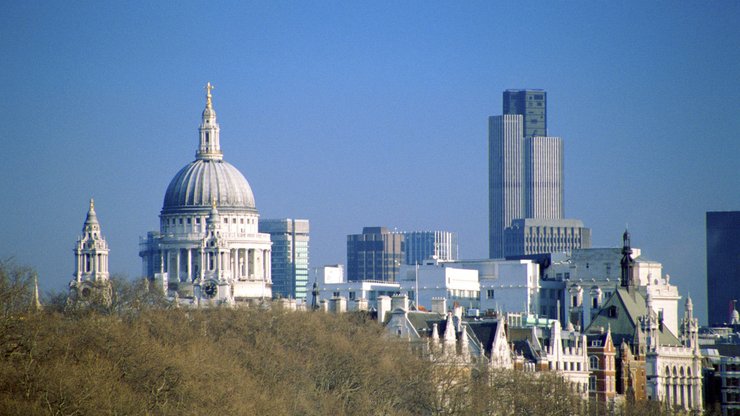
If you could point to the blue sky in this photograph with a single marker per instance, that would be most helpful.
(353, 114)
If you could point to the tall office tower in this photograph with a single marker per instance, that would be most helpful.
(423, 245)
(532, 106)
(723, 264)
(525, 166)
(543, 177)
(289, 256)
(376, 254)
(506, 180)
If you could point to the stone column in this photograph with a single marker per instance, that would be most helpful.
(178, 260)
(190, 264)
(203, 263)
(241, 255)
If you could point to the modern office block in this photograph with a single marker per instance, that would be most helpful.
(532, 106)
(723, 264)
(376, 254)
(537, 236)
(289, 256)
(543, 177)
(505, 177)
(424, 245)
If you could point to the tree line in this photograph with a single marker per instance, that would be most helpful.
(143, 355)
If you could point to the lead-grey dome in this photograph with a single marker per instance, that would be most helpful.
(202, 181)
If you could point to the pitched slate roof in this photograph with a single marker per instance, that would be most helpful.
(485, 332)
(630, 306)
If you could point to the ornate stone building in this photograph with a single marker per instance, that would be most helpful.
(209, 249)
(91, 282)
(656, 360)
(674, 372)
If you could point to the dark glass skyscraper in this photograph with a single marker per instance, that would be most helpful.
(376, 254)
(532, 106)
(723, 264)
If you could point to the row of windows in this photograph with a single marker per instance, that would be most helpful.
(198, 220)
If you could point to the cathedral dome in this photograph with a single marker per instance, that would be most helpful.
(204, 181)
(208, 180)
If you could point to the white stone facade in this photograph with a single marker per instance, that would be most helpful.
(440, 280)
(506, 285)
(674, 371)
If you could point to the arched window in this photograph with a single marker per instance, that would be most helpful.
(593, 362)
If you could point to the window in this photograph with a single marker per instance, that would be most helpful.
(351, 295)
(567, 275)
(197, 220)
(592, 383)
(336, 294)
(180, 220)
(595, 302)
(489, 293)
(593, 362)
(189, 220)
(612, 312)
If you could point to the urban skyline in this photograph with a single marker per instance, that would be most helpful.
(95, 109)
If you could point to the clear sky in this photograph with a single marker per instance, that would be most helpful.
(355, 114)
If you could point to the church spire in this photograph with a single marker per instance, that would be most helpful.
(627, 263)
(210, 148)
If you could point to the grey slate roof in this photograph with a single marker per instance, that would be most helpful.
(630, 307)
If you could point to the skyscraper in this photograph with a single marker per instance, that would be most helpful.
(723, 264)
(423, 245)
(376, 254)
(525, 166)
(289, 256)
(532, 106)
(543, 177)
(505, 177)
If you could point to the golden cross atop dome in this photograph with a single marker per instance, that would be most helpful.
(208, 89)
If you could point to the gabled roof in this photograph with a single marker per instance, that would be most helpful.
(629, 307)
(485, 332)
(419, 319)
(527, 350)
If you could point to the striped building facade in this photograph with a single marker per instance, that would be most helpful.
(506, 177)
(543, 161)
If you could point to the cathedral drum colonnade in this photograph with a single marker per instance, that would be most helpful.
(209, 248)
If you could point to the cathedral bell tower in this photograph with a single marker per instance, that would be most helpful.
(91, 278)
